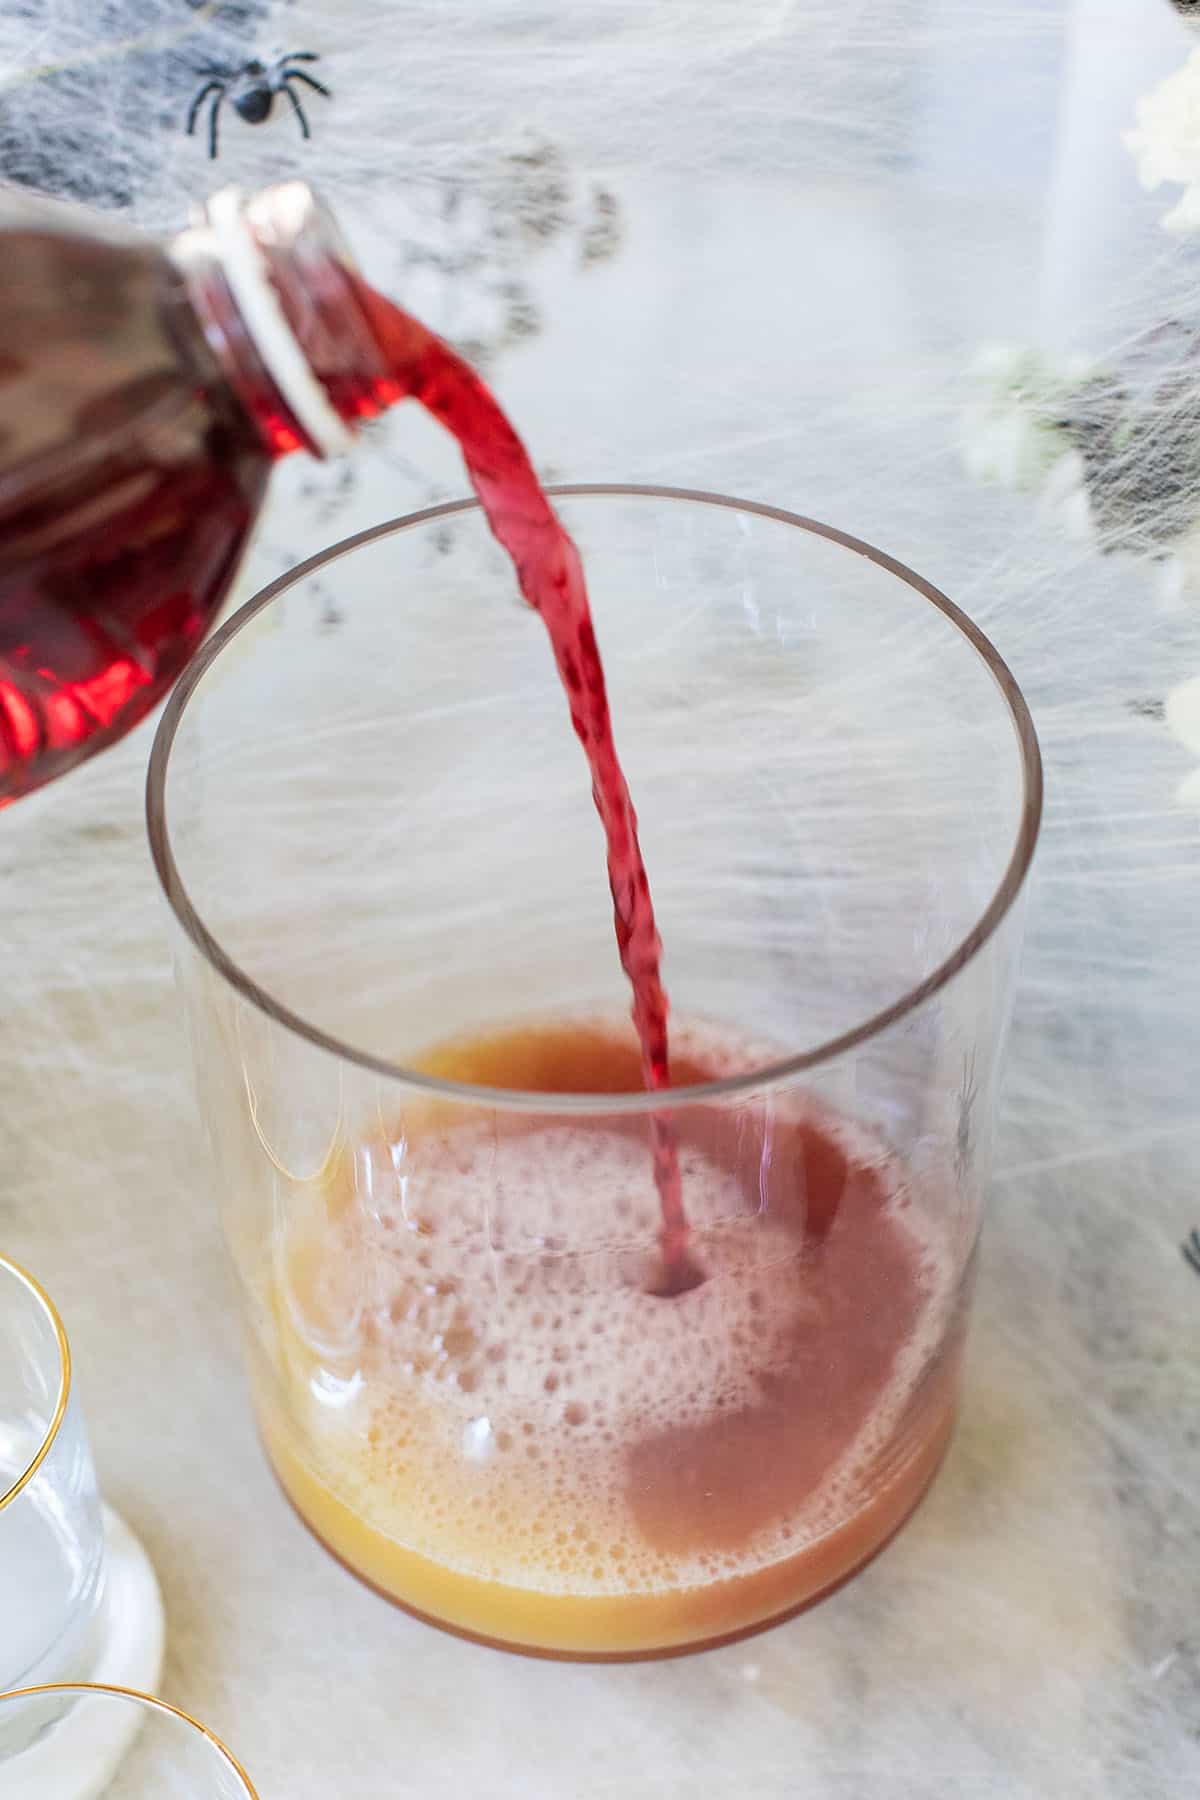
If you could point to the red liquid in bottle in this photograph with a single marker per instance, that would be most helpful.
(127, 490)
(551, 578)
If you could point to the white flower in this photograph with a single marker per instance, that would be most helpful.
(1166, 142)
(1013, 433)
(1183, 721)
(1024, 431)
(1064, 496)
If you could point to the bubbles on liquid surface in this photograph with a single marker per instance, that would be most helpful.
(507, 1345)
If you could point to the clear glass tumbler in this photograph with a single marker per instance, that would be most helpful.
(52, 1548)
(160, 1752)
(374, 830)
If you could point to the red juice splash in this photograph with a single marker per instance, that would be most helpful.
(550, 575)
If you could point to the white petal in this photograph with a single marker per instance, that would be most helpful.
(1064, 480)
(1171, 583)
(1183, 713)
(1166, 140)
(1185, 551)
(998, 362)
(1184, 217)
(1078, 519)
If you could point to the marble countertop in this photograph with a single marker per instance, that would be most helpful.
(799, 329)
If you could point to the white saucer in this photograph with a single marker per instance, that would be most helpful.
(78, 1756)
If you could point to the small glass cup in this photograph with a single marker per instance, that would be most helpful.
(411, 1034)
(78, 1597)
(52, 1552)
(162, 1753)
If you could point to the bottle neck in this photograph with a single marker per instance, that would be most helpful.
(272, 286)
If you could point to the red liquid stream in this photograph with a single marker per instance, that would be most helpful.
(551, 578)
(142, 480)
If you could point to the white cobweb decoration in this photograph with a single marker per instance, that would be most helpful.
(93, 96)
(762, 247)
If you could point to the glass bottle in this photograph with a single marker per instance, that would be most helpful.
(146, 390)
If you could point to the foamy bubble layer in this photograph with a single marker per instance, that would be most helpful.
(483, 1376)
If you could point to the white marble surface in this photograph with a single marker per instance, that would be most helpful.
(790, 314)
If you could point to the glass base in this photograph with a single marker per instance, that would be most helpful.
(602, 1631)
(77, 1756)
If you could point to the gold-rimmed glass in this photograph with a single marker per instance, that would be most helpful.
(123, 1744)
(52, 1552)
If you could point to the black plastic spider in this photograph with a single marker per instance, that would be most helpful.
(252, 90)
(1191, 1250)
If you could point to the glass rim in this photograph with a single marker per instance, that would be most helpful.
(769, 1075)
(148, 1700)
(53, 1316)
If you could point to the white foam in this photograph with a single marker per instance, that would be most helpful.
(511, 1354)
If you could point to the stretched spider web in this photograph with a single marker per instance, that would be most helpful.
(758, 247)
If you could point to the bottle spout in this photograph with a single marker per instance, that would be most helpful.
(274, 284)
